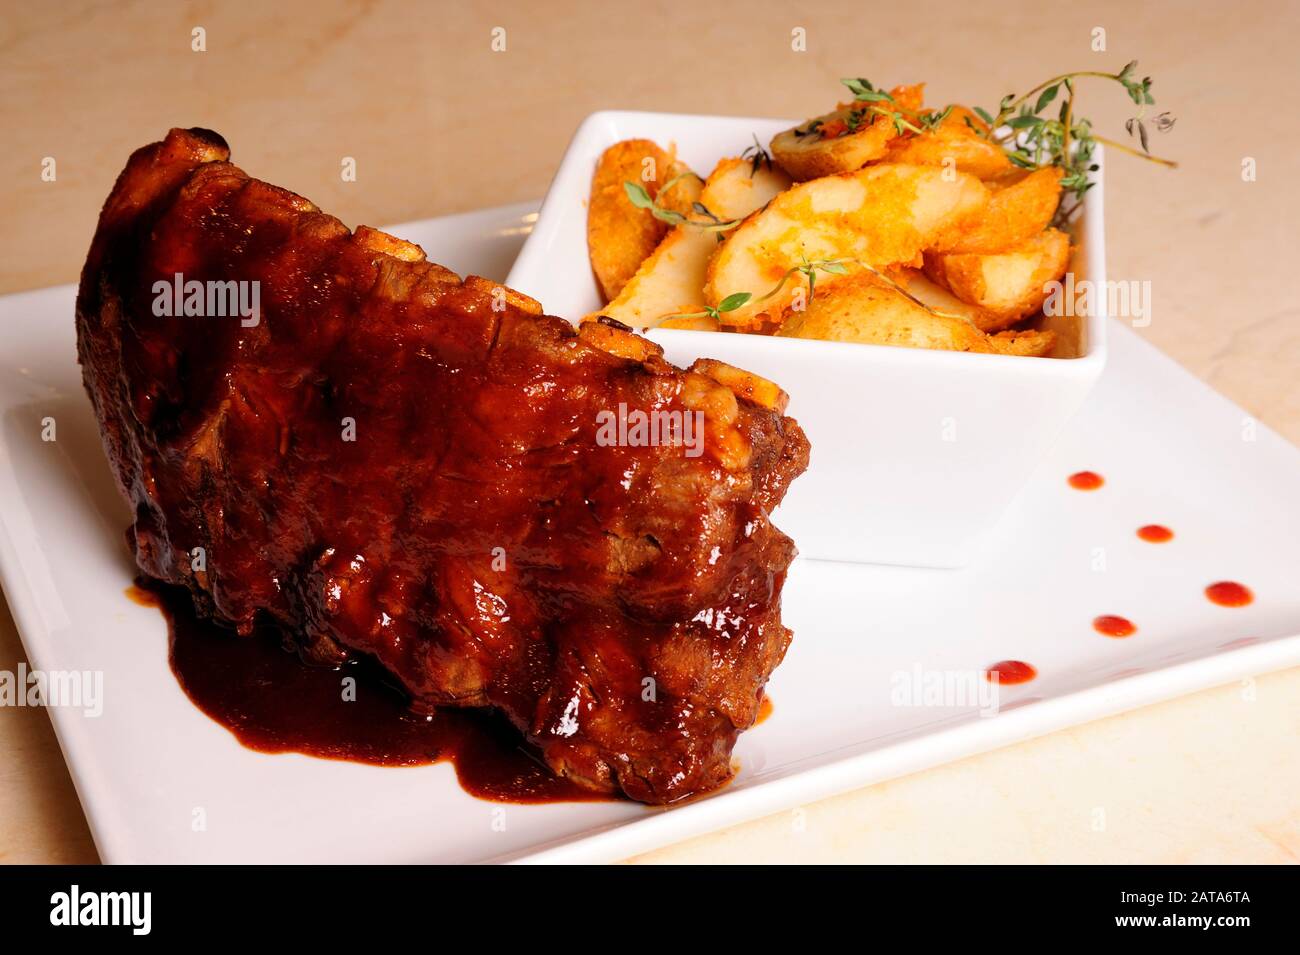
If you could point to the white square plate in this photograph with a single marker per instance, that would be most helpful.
(1172, 452)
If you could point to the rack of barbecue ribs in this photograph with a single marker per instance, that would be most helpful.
(320, 428)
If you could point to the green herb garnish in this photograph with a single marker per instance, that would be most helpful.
(1034, 138)
(736, 299)
(728, 304)
(758, 157)
(639, 197)
(809, 270)
(883, 104)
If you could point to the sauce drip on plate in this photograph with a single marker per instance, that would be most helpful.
(1010, 671)
(1111, 626)
(1155, 533)
(274, 703)
(1086, 480)
(1229, 593)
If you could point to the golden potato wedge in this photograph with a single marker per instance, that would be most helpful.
(861, 309)
(736, 189)
(1030, 343)
(1009, 285)
(1022, 206)
(681, 189)
(933, 295)
(953, 143)
(882, 216)
(671, 280)
(844, 140)
(619, 235)
(865, 310)
(691, 323)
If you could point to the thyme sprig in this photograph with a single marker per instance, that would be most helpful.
(1034, 138)
(728, 304)
(707, 220)
(758, 157)
(639, 197)
(883, 104)
(735, 300)
(809, 270)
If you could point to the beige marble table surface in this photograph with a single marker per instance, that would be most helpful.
(439, 122)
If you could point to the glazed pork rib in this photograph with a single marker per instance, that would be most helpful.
(391, 462)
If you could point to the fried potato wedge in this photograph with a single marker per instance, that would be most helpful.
(1009, 285)
(882, 216)
(736, 189)
(671, 280)
(844, 140)
(691, 323)
(933, 295)
(955, 143)
(619, 235)
(681, 189)
(1022, 206)
(1030, 343)
(862, 309)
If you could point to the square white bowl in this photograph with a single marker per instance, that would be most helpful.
(915, 453)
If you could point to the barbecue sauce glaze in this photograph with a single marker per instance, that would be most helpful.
(272, 702)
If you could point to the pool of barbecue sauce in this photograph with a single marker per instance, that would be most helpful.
(273, 703)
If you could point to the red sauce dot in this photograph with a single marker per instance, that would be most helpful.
(1155, 533)
(1086, 481)
(1227, 593)
(1112, 626)
(1010, 671)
